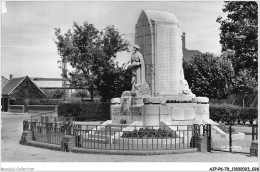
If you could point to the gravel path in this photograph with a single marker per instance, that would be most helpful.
(12, 151)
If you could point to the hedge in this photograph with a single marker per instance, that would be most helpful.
(231, 114)
(41, 108)
(88, 111)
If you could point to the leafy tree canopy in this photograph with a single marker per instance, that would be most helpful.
(239, 32)
(209, 75)
(244, 84)
(91, 54)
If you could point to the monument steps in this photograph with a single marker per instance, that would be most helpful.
(103, 134)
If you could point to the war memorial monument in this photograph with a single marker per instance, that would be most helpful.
(160, 112)
(160, 93)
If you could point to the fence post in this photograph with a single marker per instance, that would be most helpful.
(195, 134)
(209, 138)
(24, 125)
(230, 138)
(253, 132)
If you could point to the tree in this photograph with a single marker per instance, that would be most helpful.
(106, 70)
(81, 94)
(55, 94)
(209, 75)
(239, 32)
(244, 84)
(91, 54)
(122, 81)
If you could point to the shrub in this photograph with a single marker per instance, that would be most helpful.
(230, 113)
(224, 113)
(81, 94)
(123, 121)
(57, 93)
(88, 111)
(248, 114)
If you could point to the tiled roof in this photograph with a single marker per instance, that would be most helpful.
(4, 81)
(11, 85)
(46, 79)
(48, 82)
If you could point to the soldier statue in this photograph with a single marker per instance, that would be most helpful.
(137, 67)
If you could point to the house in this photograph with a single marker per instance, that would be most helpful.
(20, 88)
(50, 85)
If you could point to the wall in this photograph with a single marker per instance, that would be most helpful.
(16, 108)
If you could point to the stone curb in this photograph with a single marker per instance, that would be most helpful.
(111, 152)
(132, 152)
(43, 145)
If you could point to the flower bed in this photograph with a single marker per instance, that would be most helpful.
(148, 133)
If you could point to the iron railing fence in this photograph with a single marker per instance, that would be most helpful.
(202, 130)
(116, 137)
(48, 132)
(123, 137)
(233, 138)
(42, 115)
(236, 138)
(48, 117)
(51, 119)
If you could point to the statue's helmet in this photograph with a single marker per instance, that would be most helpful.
(136, 46)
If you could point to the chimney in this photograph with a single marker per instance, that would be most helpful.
(183, 40)
(11, 77)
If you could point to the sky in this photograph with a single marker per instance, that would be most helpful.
(27, 29)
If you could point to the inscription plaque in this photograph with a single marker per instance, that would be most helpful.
(167, 60)
(177, 114)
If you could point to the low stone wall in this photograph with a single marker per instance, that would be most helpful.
(16, 108)
(43, 108)
(43, 145)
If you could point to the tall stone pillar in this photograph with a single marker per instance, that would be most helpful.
(160, 38)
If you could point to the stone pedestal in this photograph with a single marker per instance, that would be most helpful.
(151, 115)
(115, 108)
(26, 136)
(254, 148)
(152, 110)
(202, 112)
(68, 142)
